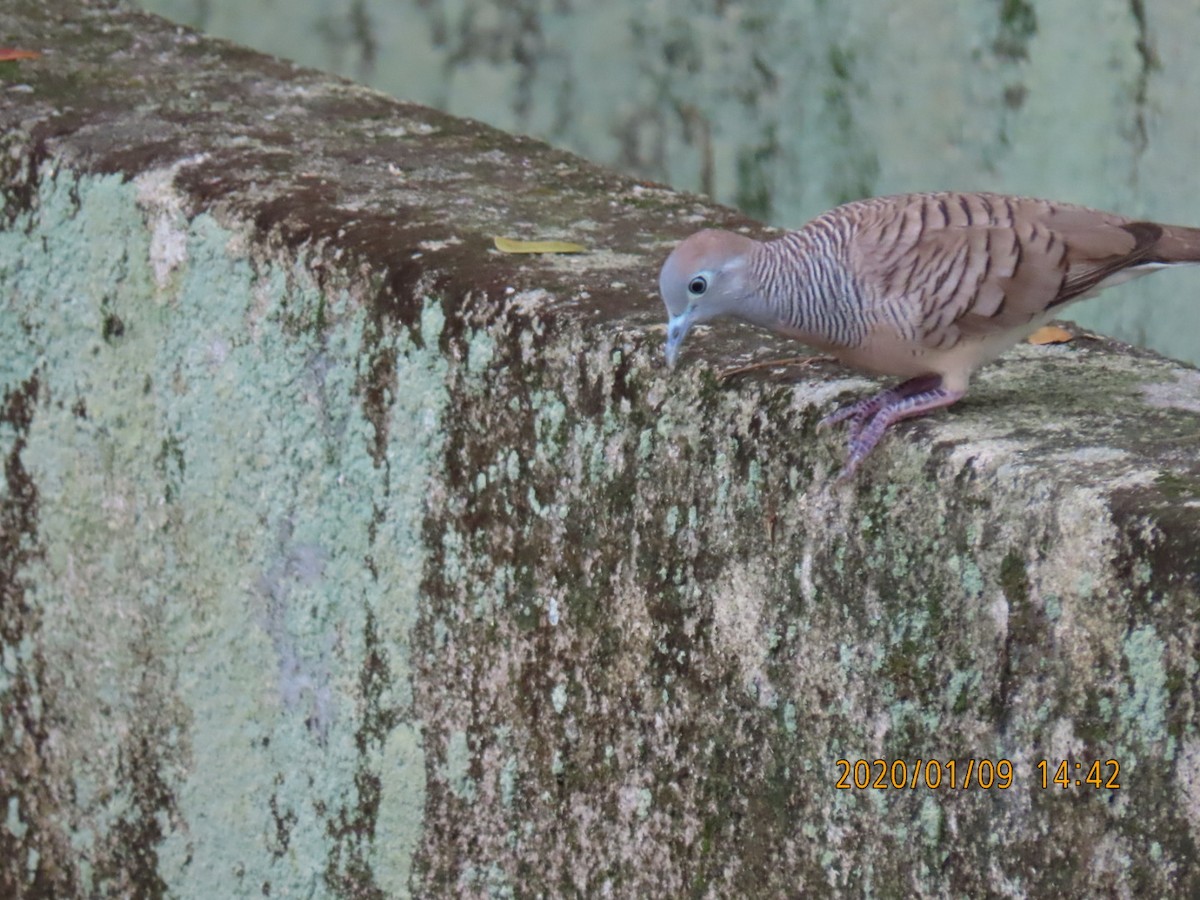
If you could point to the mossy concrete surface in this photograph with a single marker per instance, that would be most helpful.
(343, 556)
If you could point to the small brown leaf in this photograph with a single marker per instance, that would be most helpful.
(11, 54)
(510, 245)
(1050, 334)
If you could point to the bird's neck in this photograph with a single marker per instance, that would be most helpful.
(804, 290)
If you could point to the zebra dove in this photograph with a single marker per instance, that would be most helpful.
(927, 287)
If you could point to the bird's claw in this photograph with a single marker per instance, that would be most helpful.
(872, 416)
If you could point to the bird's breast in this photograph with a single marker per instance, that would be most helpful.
(884, 352)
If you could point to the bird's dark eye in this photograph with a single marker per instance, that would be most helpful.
(697, 285)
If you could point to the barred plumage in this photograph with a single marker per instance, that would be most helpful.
(924, 286)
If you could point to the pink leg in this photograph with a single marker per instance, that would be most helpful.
(871, 417)
(858, 413)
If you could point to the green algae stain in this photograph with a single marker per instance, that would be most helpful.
(401, 806)
(1018, 25)
(1144, 708)
(458, 766)
(1013, 579)
(204, 469)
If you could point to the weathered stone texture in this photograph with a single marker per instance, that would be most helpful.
(341, 555)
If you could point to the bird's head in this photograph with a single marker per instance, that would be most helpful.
(705, 277)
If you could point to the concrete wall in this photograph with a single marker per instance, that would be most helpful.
(787, 107)
(343, 556)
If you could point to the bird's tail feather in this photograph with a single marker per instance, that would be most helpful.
(1178, 244)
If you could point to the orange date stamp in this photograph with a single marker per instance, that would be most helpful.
(899, 774)
(971, 773)
(1068, 773)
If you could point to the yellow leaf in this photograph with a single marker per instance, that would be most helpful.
(1051, 334)
(508, 245)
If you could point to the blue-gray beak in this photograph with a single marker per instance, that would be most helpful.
(677, 329)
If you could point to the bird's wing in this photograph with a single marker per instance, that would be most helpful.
(975, 264)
